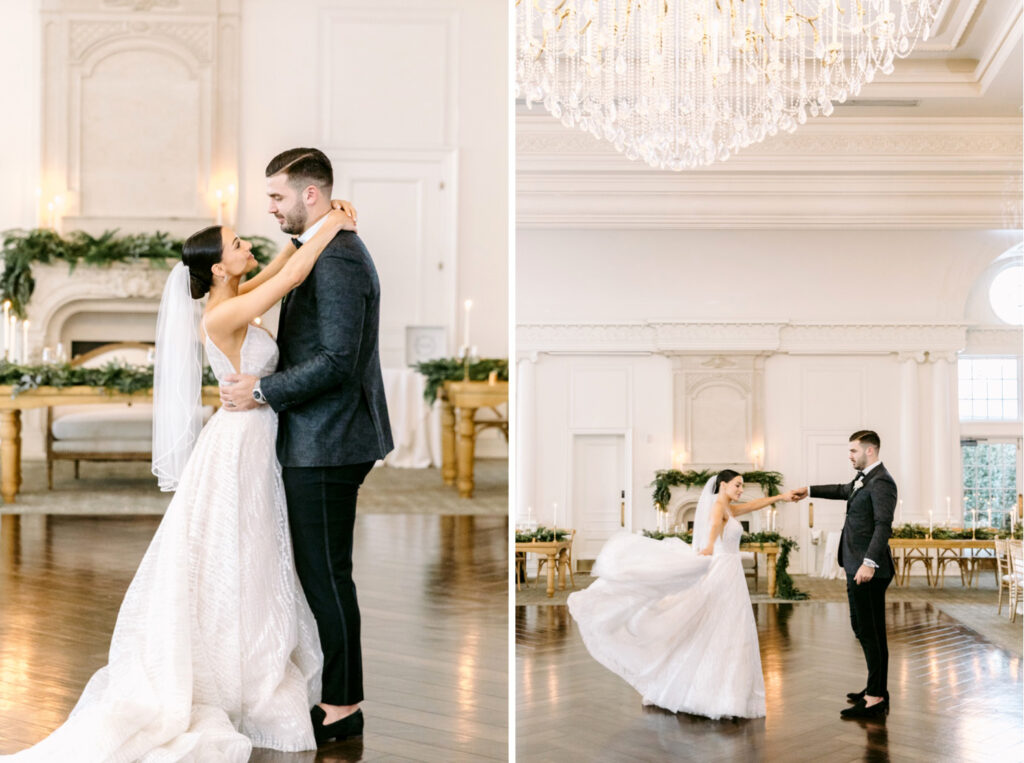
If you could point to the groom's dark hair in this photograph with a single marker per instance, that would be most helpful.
(867, 437)
(304, 167)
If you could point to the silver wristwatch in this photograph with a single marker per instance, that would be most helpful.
(257, 394)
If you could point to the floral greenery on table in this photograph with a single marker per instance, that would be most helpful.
(452, 369)
(919, 532)
(541, 535)
(22, 249)
(114, 376)
(784, 588)
(666, 479)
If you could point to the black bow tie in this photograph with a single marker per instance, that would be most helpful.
(296, 243)
(860, 476)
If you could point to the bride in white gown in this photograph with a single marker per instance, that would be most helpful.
(675, 620)
(215, 649)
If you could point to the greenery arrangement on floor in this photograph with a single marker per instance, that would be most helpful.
(541, 535)
(452, 369)
(666, 479)
(22, 249)
(114, 376)
(917, 532)
(784, 588)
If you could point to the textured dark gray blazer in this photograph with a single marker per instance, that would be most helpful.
(328, 389)
(868, 525)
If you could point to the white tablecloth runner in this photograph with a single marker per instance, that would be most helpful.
(415, 426)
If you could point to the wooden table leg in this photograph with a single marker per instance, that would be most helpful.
(551, 575)
(770, 564)
(465, 450)
(562, 564)
(10, 454)
(448, 469)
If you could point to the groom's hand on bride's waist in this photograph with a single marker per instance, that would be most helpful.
(236, 392)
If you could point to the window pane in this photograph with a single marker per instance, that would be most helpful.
(979, 409)
(994, 389)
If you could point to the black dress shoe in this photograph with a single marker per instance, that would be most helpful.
(861, 710)
(349, 726)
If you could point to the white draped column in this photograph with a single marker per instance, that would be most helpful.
(909, 477)
(525, 438)
(944, 435)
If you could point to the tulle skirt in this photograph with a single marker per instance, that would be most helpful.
(677, 626)
(215, 649)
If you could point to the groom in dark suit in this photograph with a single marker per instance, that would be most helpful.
(333, 420)
(864, 555)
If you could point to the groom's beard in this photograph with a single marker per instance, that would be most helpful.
(294, 222)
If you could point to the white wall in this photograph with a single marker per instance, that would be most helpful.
(20, 58)
(835, 275)
(609, 291)
(283, 97)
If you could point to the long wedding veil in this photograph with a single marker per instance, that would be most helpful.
(177, 380)
(702, 519)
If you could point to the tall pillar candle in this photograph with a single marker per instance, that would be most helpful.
(465, 324)
(24, 342)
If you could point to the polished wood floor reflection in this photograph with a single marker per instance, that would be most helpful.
(955, 697)
(433, 594)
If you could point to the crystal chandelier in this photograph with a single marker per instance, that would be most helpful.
(683, 83)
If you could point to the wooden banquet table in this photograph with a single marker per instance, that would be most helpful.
(903, 548)
(557, 552)
(458, 437)
(43, 397)
(770, 551)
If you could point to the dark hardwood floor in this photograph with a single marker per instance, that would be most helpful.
(955, 697)
(433, 595)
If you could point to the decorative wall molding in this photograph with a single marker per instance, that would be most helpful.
(93, 52)
(723, 337)
(838, 172)
(995, 340)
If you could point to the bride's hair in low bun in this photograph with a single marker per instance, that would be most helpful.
(724, 476)
(200, 253)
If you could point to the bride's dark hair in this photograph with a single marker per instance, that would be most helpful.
(200, 253)
(726, 475)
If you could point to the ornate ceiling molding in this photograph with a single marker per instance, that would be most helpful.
(672, 338)
(834, 173)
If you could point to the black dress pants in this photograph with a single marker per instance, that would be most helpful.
(867, 616)
(322, 515)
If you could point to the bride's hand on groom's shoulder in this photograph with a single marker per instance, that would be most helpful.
(349, 217)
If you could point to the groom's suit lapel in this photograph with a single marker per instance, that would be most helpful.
(867, 478)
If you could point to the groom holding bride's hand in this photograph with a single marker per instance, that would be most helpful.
(864, 555)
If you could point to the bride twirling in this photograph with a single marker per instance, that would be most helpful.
(675, 620)
(215, 649)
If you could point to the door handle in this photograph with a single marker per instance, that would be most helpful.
(622, 509)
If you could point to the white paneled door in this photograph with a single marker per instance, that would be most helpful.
(407, 216)
(598, 490)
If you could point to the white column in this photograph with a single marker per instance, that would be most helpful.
(909, 476)
(943, 433)
(525, 439)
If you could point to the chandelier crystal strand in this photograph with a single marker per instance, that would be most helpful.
(685, 83)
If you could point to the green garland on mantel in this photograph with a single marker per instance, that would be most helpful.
(114, 377)
(784, 588)
(666, 479)
(22, 249)
(452, 369)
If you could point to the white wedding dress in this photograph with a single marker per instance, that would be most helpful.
(676, 625)
(215, 649)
